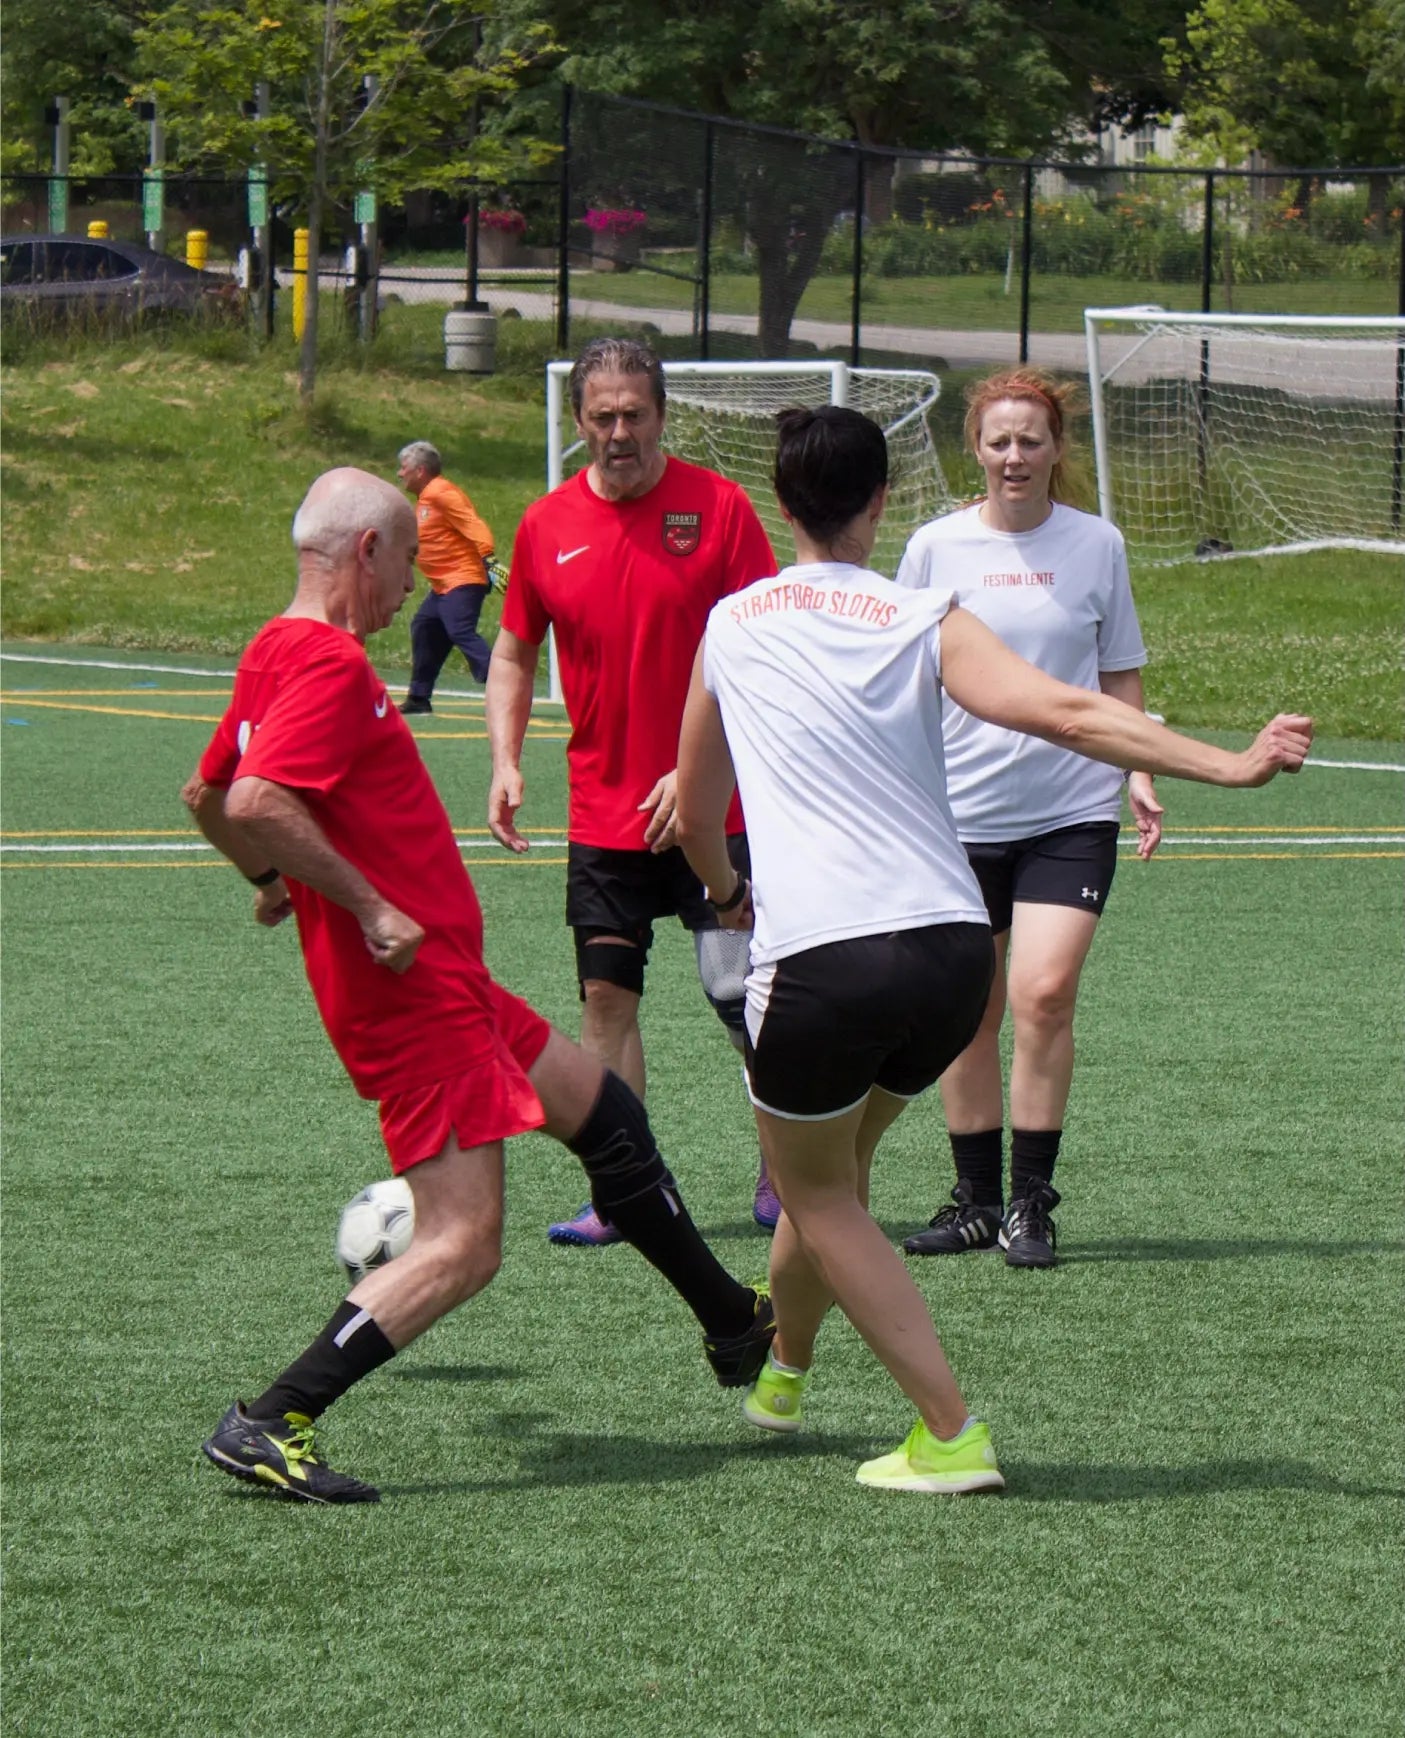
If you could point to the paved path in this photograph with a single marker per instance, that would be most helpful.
(1363, 370)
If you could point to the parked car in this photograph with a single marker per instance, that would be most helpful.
(62, 277)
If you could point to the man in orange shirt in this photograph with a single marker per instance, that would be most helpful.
(454, 548)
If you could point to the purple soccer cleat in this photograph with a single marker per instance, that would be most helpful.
(765, 1207)
(586, 1231)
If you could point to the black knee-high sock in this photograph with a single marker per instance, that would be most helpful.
(348, 1348)
(1033, 1152)
(980, 1165)
(631, 1186)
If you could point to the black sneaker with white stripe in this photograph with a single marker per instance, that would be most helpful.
(964, 1225)
(1027, 1233)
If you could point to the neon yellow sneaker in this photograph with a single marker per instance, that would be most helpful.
(773, 1402)
(926, 1463)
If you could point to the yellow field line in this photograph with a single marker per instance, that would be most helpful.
(121, 711)
(20, 696)
(550, 733)
(504, 862)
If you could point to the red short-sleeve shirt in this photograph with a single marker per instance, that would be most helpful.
(309, 712)
(627, 586)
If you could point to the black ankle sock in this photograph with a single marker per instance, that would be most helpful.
(980, 1165)
(348, 1348)
(631, 1187)
(1033, 1153)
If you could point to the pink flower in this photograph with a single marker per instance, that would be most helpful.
(614, 222)
(505, 222)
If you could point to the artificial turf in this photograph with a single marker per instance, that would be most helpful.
(1197, 1411)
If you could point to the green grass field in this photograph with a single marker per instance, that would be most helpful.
(148, 493)
(1197, 1411)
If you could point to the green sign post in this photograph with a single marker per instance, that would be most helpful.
(153, 200)
(258, 196)
(364, 207)
(58, 204)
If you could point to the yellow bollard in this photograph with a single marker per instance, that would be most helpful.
(299, 281)
(197, 248)
(98, 231)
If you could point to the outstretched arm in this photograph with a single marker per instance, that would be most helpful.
(508, 705)
(985, 677)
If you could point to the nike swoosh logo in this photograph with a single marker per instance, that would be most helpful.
(565, 555)
(382, 704)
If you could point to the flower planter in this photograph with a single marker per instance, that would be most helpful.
(620, 252)
(499, 248)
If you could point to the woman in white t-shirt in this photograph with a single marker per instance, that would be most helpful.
(1039, 822)
(819, 694)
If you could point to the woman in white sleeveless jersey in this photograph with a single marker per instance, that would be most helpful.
(1038, 821)
(819, 694)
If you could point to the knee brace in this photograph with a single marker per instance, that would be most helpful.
(617, 1148)
(724, 958)
(609, 962)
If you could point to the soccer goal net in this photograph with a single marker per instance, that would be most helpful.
(722, 415)
(1219, 434)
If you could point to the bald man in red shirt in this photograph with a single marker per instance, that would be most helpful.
(314, 788)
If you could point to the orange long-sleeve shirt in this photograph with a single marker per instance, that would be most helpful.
(454, 541)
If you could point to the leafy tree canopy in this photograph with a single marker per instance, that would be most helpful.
(1308, 82)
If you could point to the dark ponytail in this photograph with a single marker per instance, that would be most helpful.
(829, 463)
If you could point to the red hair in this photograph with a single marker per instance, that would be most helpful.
(1056, 398)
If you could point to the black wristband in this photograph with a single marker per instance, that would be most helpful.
(722, 906)
(267, 879)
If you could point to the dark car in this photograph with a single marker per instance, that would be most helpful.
(60, 277)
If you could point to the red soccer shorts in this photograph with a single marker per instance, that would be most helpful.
(490, 1101)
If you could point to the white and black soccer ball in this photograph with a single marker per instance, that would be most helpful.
(375, 1227)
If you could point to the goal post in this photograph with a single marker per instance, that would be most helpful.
(722, 415)
(1247, 434)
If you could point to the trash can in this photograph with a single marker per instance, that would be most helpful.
(470, 341)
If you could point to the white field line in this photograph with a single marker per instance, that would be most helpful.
(214, 675)
(1253, 841)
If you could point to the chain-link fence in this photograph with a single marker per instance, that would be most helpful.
(729, 240)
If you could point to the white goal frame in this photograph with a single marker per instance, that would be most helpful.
(823, 381)
(1358, 340)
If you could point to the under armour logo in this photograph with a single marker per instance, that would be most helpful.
(1092, 893)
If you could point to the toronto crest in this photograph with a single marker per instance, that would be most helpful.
(681, 532)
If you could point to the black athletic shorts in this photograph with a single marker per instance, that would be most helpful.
(1070, 866)
(622, 892)
(894, 1011)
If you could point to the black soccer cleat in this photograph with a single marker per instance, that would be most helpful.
(412, 707)
(737, 1362)
(1027, 1233)
(279, 1453)
(961, 1226)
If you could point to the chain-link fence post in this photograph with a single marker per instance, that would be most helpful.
(856, 305)
(703, 302)
(563, 231)
(1026, 256)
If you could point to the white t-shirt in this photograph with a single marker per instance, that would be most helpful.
(1059, 596)
(828, 678)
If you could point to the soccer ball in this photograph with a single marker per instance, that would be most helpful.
(375, 1227)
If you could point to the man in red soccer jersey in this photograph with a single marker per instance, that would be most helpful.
(623, 561)
(314, 789)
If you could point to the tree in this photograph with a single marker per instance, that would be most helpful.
(988, 76)
(85, 53)
(375, 94)
(1318, 82)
